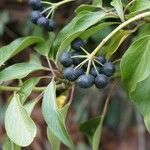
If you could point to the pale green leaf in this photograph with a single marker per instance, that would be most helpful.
(29, 106)
(117, 4)
(20, 128)
(18, 71)
(17, 46)
(52, 115)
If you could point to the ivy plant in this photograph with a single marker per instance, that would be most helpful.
(70, 64)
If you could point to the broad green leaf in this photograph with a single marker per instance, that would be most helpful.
(135, 73)
(17, 46)
(44, 47)
(97, 2)
(77, 26)
(35, 59)
(140, 5)
(20, 128)
(117, 4)
(55, 142)
(18, 71)
(94, 134)
(53, 117)
(114, 44)
(9, 145)
(27, 88)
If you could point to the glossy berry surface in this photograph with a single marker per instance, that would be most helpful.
(35, 15)
(94, 72)
(101, 81)
(76, 60)
(70, 74)
(65, 59)
(101, 59)
(51, 25)
(76, 44)
(108, 69)
(35, 4)
(85, 81)
(43, 22)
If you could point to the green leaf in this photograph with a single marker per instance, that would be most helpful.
(140, 5)
(17, 46)
(30, 106)
(117, 4)
(18, 71)
(135, 73)
(44, 47)
(27, 88)
(53, 117)
(97, 2)
(9, 145)
(76, 27)
(55, 142)
(20, 128)
(94, 134)
(114, 44)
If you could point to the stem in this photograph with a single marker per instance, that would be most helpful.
(51, 68)
(45, 10)
(89, 66)
(137, 17)
(61, 3)
(127, 6)
(45, 2)
(81, 64)
(95, 68)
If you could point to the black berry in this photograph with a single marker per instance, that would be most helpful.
(101, 81)
(35, 4)
(71, 74)
(93, 71)
(79, 71)
(51, 25)
(76, 44)
(108, 69)
(65, 59)
(101, 59)
(35, 15)
(43, 22)
(76, 60)
(85, 81)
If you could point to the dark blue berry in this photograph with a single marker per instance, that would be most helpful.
(43, 22)
(101, 59)
(108, 69)
(93, 71)
(101, 81)
(51, 25)
(71, 74)
(85, 81)
(35, 4)
(79, 71)
(65, 59)
(35, 15)
(76, 44)
(76, 60)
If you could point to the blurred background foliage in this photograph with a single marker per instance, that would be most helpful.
(123, 129)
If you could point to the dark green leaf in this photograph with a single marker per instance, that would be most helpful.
(135, 73)
(17, 46)
(53, 117)
(20, 128)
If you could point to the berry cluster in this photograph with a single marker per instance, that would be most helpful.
(86, 72)
(40, 17)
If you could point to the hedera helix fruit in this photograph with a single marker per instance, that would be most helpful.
(85, 72)
(42, 17)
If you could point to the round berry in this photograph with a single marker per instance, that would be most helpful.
(108, 69)
(101, 81)
(76, 44)
(85, 81)
(70, 74)
(51, 25)
(93, 71)
(101, 59)
(76, 60)
(35, 4)
(79, 71)
(65, 59)
(35, 15)
(43, 22)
